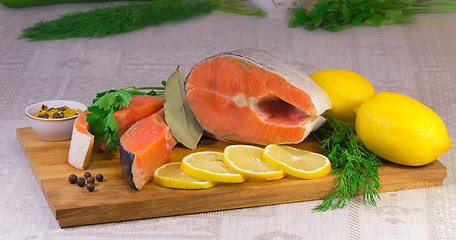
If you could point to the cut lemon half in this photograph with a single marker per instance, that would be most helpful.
(209, 166)
(247, 160)
(170, 176)
(297, 162)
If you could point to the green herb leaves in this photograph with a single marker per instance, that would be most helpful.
(179, 117)
(354, 167)
(115, 19)
(335, 15)
(103, 124)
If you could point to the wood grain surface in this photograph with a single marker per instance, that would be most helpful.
(113, 200)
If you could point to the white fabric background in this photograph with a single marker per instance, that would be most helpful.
(418, 60)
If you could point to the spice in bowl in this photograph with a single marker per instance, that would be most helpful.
(54, 113)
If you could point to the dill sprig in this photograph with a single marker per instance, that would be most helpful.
(115, 19)
(354, 167)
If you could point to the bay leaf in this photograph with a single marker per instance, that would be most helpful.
(182, 122)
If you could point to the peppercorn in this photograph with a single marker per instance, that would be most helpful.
(81, 182)
(99, 177)
(90, 180)
(90, 187)
(72, 178)
(56, 115)
(87, 174)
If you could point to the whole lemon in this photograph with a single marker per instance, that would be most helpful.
(346, 90)
(400, 129)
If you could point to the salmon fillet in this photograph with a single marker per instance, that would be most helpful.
(143, 148)
(82, 141)
(254, 97)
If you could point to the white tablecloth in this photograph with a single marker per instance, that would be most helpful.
(418, 60)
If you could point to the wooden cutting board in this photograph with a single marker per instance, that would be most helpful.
(113, 200)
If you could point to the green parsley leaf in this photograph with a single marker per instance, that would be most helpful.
(124, 96)
(111, 122)
(336, 15)
(106, 101)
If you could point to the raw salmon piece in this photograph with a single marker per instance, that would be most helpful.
(81, 145)
(143, 148)
(139, 107)
(82, 141)
(254, 97)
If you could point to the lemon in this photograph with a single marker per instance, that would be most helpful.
(247, 160)
(209, 166)
(169, 175)
(297, 162)
(346, 90)
(402, 130)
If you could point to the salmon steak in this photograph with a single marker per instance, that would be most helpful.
(254, 97)
(143, 148)
(82, 141)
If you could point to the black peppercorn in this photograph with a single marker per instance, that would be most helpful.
(99, 177)
(90, 187)
(87, 174)
(90, 180)
(56, 115)
(72, 178)
(81, 182)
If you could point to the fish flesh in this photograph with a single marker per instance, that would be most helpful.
(82, 141)
(254, 97)
(143, 148)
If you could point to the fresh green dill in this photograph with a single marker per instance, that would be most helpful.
(354, 167)
(101, 119)
(336, 15)
(121, 18)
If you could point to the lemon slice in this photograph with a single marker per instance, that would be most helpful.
(247, 160)
(170, 176)
(209, 166)
(297, 162)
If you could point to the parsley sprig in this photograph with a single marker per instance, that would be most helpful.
(355, 168)
(101, 119)
(336, 15)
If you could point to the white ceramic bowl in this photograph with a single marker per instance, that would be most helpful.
(53, 129)
(279, 8)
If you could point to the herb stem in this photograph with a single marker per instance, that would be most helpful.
(256, 12)
(232, 6)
